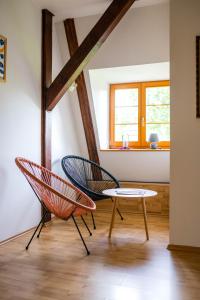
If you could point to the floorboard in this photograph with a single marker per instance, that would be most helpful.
(127, 267)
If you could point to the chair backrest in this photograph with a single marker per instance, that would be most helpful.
(88, 176)
(60, 197)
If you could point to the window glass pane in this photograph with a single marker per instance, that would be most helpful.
(158, 114)
(158, 95)
(130, 130)
(163, 131)
(124, 115)
(126, 97)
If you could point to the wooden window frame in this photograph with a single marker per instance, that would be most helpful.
(141, 143)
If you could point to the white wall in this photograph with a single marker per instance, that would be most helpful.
(185, 131)
(142, 37)
(137, 166)
(20, 115)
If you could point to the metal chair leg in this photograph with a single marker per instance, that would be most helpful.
(93, 221)
(86, 225)
(40, 229)
(88, 253)
(41, 221)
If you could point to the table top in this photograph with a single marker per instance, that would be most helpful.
(129, 193)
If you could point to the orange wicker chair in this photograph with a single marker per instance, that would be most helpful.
(56, 195)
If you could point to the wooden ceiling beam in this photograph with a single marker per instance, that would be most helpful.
(84, 104)
(47, 20)
(86, 50)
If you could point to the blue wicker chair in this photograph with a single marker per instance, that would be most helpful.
(89, 177)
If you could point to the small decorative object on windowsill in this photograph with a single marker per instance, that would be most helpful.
(124, 142)
(153, 139)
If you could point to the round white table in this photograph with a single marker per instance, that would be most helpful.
(130, 193)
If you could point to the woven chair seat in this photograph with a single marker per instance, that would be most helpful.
(88, 176)
(59, 196)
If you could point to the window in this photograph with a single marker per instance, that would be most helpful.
(137, 110)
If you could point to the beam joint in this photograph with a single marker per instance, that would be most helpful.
(86, 51)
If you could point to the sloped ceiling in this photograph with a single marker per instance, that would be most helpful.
(63, 9)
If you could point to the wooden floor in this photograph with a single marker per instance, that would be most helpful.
(125, 268)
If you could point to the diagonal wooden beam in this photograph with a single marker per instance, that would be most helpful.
(86, 50)
(70, 32)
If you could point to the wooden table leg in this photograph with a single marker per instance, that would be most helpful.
(145, 217)
(113, 216)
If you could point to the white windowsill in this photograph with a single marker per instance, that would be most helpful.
(137, 150)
